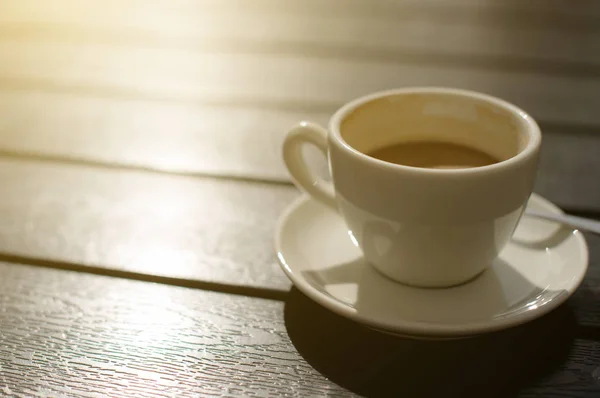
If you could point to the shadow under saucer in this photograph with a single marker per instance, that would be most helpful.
(371, 363)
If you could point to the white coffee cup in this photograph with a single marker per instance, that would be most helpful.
(421, 226)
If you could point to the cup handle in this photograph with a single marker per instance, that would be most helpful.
(308, 133)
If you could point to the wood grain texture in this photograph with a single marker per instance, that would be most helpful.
(211, 230)
(209, 87)
(72, 335)
(76, 335)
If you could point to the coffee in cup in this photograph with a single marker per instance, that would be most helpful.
(433, 155)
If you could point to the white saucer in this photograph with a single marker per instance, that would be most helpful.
(539, 269)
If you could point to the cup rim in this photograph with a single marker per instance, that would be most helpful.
(531, 127)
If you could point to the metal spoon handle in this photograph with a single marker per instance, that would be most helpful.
(582, 223)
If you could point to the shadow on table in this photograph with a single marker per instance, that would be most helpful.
(371, 363)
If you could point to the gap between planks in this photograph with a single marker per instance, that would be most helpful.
(239, 290)
(582, 331)
(81, 162)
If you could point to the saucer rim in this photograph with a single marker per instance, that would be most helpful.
(414, 328)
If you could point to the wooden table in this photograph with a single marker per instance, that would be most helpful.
(141, 181)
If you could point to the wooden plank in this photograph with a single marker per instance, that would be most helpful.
(423, 38)
(586, 301)
(241, 142)
(200, 229)
(166, 136)
(69, 334)
(568, 169)
(273, 80)
(532, 14)
(83, 335)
